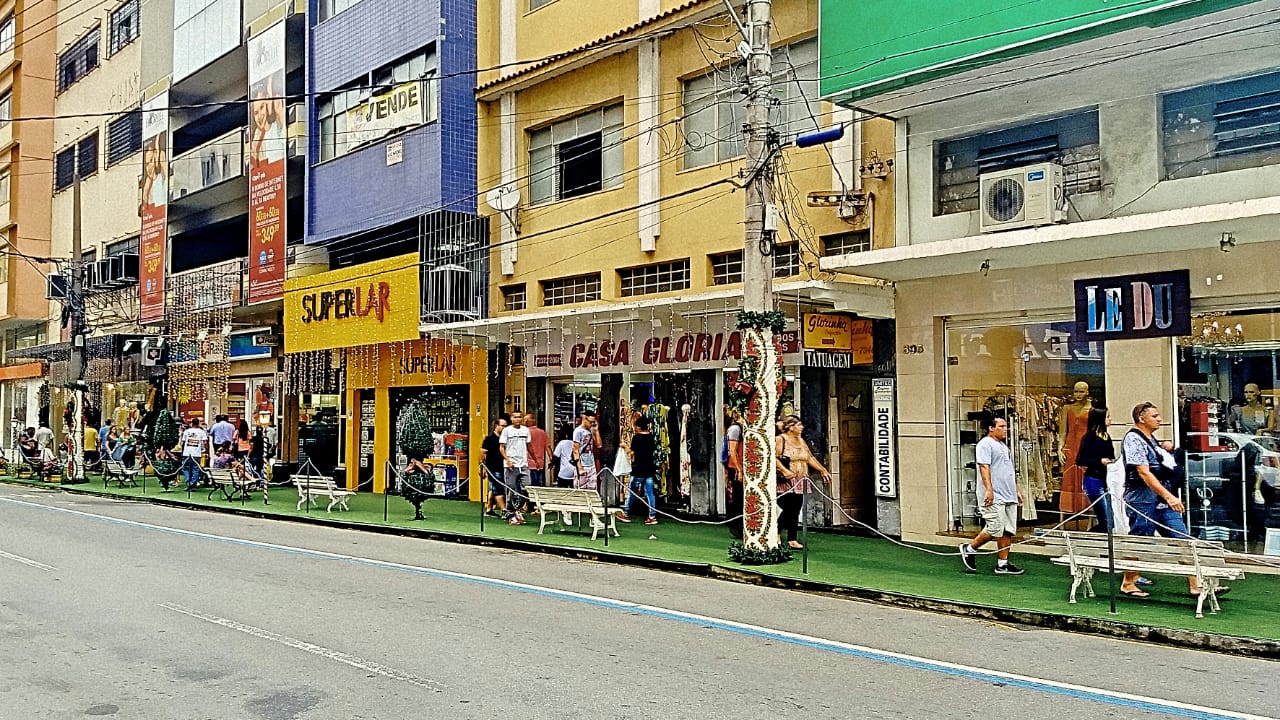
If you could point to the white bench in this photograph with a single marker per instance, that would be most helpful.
(1085, 553)
(550, 502)
(312, 486)
(115, 470)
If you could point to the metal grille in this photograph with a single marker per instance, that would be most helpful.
(124, 136)
(656, 278)
(79, 59)
(124, 26)
(514, 297)
(455, 282)
(566, 291)
(726, 268)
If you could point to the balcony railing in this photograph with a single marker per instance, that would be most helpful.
(218, 160)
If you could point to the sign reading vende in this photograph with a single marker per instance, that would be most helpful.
(1127, 307)
(373, 303)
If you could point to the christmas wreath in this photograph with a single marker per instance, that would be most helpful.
(740, 553)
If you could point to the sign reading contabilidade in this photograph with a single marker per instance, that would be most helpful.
(373, 303)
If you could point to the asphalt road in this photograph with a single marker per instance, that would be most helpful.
(129, 610)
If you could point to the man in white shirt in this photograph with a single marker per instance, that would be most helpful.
(514, 445)
(998, 499)
(44, 436)
(193, 442)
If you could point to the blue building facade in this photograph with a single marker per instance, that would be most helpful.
(358, 192)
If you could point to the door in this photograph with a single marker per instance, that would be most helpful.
(857, 479)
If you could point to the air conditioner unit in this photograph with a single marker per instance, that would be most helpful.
(108, 271)
(89, 275)
(128, 269)
(1028, 196)
(55, 287)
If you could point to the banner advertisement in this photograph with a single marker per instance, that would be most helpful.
(400, 107)
(155, 208)
(368, 304)
(265, 151)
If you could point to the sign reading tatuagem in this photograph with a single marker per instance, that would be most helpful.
(367, 304)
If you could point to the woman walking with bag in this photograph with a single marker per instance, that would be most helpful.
(793, 464)
(1095, 453)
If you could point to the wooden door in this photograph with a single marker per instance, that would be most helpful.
(857, 480)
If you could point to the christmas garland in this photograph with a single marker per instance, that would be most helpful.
(740, 553)
(772, 319)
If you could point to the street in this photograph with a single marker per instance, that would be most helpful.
(132, 610)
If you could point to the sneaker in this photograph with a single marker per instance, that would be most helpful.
(1258, 499)
(1008, 569)
(651, 521)
(968, 556)
(621, 516)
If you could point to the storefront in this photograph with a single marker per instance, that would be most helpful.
(1196, 333)
(19, 399)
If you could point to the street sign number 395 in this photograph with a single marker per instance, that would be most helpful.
(912, 349)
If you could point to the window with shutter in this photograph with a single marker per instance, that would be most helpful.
(1218, 128)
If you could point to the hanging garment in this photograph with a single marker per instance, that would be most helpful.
(686, 467)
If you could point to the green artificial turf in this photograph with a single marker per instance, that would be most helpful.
(1251, 610)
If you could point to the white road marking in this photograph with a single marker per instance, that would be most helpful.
(27, 561)
(1054, 687)
(324, 652)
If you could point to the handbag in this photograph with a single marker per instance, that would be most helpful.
(782, 481)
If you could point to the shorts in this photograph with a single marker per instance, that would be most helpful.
(1143, 521)
(1000, 519)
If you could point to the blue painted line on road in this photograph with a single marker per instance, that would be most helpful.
(1135, 702)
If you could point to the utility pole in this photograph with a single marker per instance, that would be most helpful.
(760, 528)
(76, 297)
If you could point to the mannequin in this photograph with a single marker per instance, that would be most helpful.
(1254, 417)
(121, 414)
(1073, 422)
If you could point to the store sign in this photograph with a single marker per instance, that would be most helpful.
(885, 437)
(655, 353)
(373, 303)
(825, 335)
(828, 360)
(1128, 307)
(401, 107)
(823, 331)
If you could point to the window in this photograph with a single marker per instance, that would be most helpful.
(514, 297)
(8, 33)
(78, 60)
(726, 268)
(565, 291)
(715, 108)
(1071, 141)
(329, 8)
(340, 132)
(124, 136)
(6, 108)
(655, 278)
(786, 260)
(845, 243)
(203, 31)
(4, 187)
(82, 156)
(535, 4)
(577, 156)
(124, 26)
(122, 247)
(1219, 128)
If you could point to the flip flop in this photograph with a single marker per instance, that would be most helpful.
(1220, 592)
(1135, 593)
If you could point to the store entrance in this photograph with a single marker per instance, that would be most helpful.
(857, 482)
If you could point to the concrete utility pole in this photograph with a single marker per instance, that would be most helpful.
(76, 298)
(760, 529)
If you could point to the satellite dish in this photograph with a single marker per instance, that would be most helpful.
(503, 198)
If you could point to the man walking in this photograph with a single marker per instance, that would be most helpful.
(514, 446)
(643, 472)
(539, 447)
(491, 457)
(584, 451)
(223, 432)
(998, 499)
(193, 442)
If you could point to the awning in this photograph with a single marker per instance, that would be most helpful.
(1167, 231)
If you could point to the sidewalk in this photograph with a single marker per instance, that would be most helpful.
(867, 568)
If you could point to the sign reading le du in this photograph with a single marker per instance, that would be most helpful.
(373, 303)
(1128, 307)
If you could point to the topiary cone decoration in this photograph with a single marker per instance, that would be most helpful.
(164, 434)
(413, 435)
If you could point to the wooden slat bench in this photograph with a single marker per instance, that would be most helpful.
(1085, 553)
(115, 470)
(550, 502)
(312, 486)
(233, 487)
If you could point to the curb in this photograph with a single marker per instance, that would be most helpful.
(1185, 639)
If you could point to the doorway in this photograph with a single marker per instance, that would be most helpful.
(857, 481)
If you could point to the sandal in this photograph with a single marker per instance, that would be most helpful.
(794, 545)
(1135, 593)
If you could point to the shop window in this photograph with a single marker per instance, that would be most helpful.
(514, 297)
(342, 114)
(715, 107)
(1223, 127)
(1043, 380)
(566, 291)
(329, 8)
(655, 278)
(79, 60)
(1071, 141)
(124, 26)
(124, 136)
(577, 156)
(726, 268)
(845, 243)
(1229, 392)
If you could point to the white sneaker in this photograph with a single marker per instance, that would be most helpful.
(1258, 499)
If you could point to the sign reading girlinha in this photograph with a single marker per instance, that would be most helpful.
(1128, 307)
(377, 302)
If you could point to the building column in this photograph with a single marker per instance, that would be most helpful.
(648, 177)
